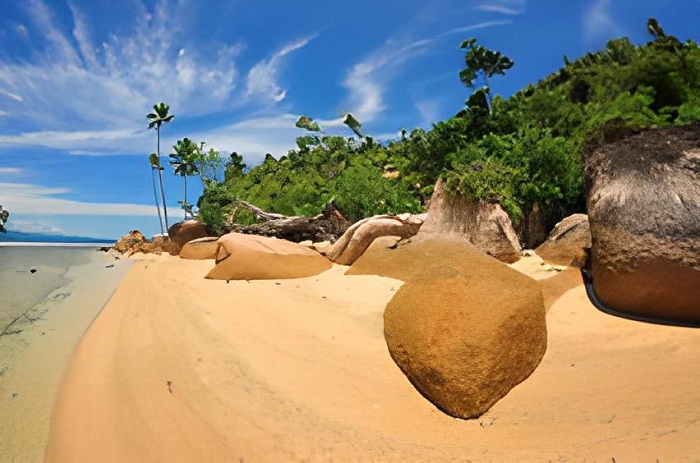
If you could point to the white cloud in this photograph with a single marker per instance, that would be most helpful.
(10, 170)
(12, 96)
(83, 142)
(481, 25)
(21, 29)
(253, 138)
(36, 226)
(37, 199)
(598, 23)
(508, 7)
(429, 111)
(262, 78)
(368, 79)
(119, 77)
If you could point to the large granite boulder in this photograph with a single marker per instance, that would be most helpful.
(253, 257)
(644, 212)
(183, 232)
(568, 241)
(485, 225)
(464, 328)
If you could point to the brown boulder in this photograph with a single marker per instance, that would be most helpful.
(134, 242)
(201, 248)
(183, 232)
(130, 242)
(568, 241)
(253, 257)
(464, 328)
(644, 210)
(484, 225)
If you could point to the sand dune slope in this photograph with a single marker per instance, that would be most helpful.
(182, 369)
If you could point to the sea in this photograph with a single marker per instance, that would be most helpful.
(52, 287)
(11, 236)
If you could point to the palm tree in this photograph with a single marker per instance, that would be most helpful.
(184, 160)
(155, 120)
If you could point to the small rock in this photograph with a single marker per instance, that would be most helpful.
(485, 422)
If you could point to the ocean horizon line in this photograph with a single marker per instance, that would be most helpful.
(19, 238)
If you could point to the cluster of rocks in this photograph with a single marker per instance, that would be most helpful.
(178, 236)
(464, 328)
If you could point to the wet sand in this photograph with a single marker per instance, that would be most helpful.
(43, 315)
(182, 369)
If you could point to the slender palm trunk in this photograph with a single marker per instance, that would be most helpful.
(160, 178)
(155, 197)
(185, 204)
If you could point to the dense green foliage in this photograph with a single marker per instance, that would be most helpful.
(523, 152)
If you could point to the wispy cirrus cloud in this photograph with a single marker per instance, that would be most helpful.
(262, 80)
(81, 142)
(507, 7)
(368, 79)
(476, 27)
(598, 23)
(10, 170)
(78, 79)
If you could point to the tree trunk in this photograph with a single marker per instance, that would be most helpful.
(360, 236)
(184, 204)
(155, 197)
(327, 226)
(160, 178)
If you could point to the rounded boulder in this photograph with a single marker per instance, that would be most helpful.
(464, 328)
(253, 257)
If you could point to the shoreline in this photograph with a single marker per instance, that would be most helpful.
(179, 368)
(68, 295)
(96, 245)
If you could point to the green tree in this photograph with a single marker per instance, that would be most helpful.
(210, 167)
(160, 115)
(484, 63)
(184, 160)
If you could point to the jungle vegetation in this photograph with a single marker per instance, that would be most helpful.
(524, 151)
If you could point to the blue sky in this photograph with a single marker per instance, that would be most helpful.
(77, 78)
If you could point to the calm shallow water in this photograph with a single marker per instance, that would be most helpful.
(43, 315)
(28, 274)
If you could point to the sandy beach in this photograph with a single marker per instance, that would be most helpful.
(178, 368)
(49, 295)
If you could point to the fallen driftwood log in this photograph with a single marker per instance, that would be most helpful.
(360, 236)
(327, 226)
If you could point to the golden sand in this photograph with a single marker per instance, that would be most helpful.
(178, 368)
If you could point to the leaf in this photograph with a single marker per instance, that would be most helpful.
(305, 122)
(354, 124)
